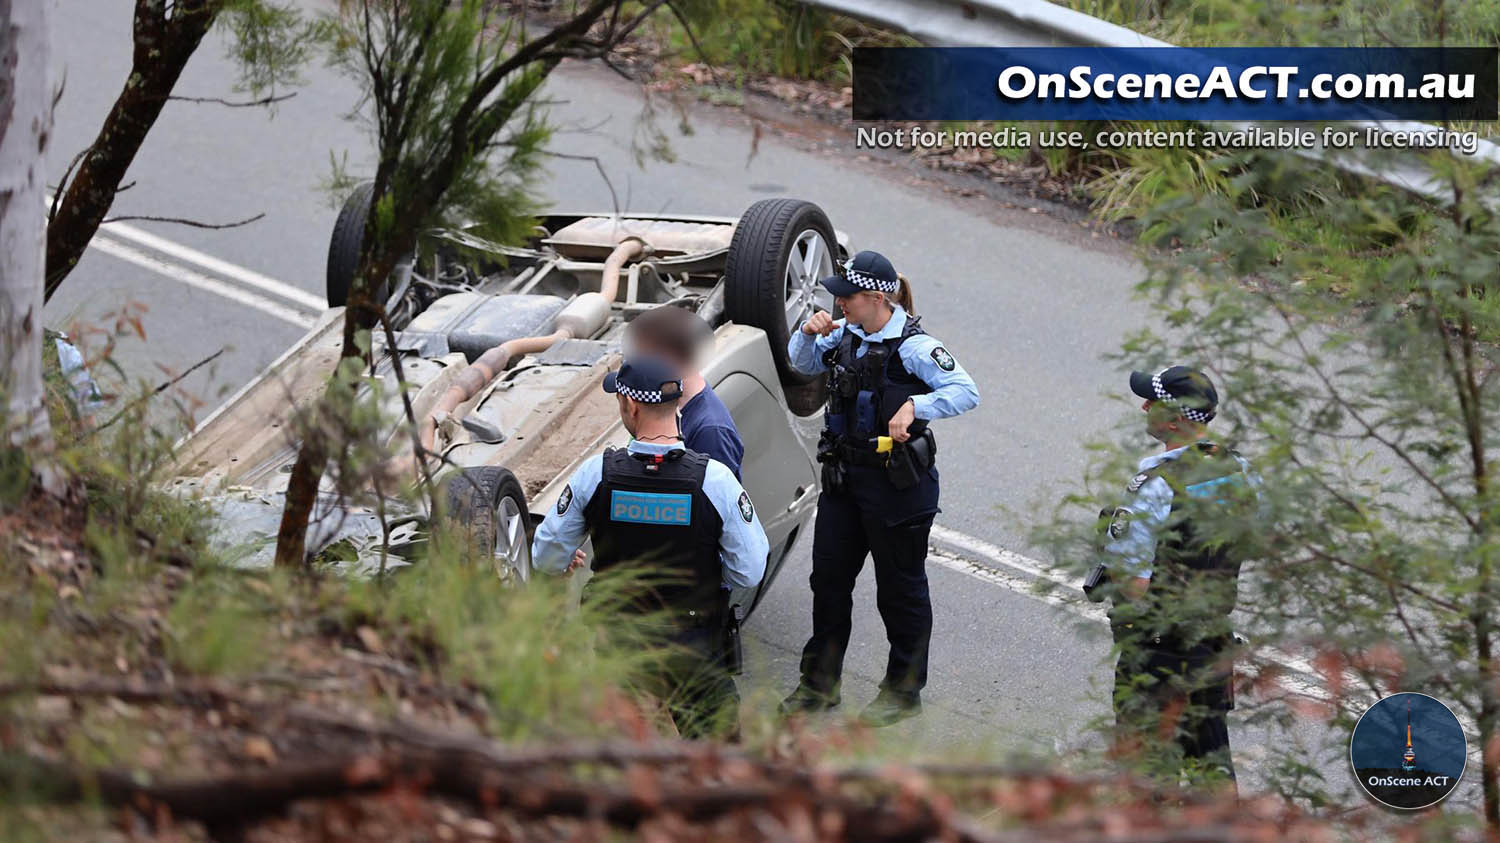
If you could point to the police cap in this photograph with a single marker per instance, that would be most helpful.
(643, 377)
(1187, 389)
(865, 271)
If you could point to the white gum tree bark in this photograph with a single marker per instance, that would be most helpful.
(26, 98)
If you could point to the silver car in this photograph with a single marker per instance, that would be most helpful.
(504, 348)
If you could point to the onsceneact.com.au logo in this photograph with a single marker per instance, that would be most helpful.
(1171, 83)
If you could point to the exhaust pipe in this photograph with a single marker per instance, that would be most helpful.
(584, 316)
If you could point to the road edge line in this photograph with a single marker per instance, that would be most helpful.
(281, 289)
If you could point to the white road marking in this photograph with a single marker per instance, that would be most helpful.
(1020, 585)
(975, 557)
(281, 289)
(994, 553)
(197, 280)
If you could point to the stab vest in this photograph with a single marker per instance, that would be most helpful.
(651, 510)
(879, 373)
(1201, 547)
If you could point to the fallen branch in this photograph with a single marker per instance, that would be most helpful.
(413, 736)
(624, 784)
(244, 796)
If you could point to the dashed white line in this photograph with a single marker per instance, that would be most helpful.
(197, 280)
(280, 289)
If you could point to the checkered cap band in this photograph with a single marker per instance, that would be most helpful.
(869, 282)
(1171, 400)
(646, 396)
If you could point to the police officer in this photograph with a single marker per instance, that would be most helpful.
(655, 503)
(679, 336)
(887, 379)
(1174, 549)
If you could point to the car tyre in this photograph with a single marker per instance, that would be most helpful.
(780, 250)
(345, 244)
(488, 507)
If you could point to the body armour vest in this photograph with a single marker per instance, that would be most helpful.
(1200, 549)
(865, 391)
(650, 510)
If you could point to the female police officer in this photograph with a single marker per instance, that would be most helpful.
(887, 378)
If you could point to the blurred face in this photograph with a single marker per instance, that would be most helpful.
(1162, 422)
(863, 306)
(640, 343)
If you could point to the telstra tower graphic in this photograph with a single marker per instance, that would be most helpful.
(1409, 757)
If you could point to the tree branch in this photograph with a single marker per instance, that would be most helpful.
(266, 100)
(1394, 448)
(187, 222)
(157, 391)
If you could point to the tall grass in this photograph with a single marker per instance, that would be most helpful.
(777, 37)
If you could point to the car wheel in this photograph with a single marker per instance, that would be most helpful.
(780, 250)
(344, 246)
(488, 506)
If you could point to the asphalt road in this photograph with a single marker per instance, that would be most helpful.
(1028, 303)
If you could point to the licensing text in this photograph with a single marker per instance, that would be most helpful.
(1276, 137)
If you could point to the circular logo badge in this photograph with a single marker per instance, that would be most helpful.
(1408, 751)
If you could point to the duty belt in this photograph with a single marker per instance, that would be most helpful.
(856, 453)
(700, 618)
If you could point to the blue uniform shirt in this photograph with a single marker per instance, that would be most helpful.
(708, 429)
(1149, 508)
(743, 546)
(953, 391)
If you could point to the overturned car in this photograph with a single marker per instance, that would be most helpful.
(504, 348)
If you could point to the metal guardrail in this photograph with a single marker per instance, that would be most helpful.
(1037, 23)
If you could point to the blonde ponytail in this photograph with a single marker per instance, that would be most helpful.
(904, 296)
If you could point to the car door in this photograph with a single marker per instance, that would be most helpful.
(777, 472)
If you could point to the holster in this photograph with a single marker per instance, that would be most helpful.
(834, 477)
(911, 459)
(1093, 584)
(734, 649)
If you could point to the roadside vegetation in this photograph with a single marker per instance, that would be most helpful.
(152, 690)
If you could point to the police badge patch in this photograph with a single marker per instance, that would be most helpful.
(944, 360)
(747, 509)
(1137, 482)
(1119, 522)
(565, 499)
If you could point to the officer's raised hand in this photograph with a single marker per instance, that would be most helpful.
(901, 420)
(820, 322)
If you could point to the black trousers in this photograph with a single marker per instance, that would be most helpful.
(696, 687)
(842, 538)
(1165, 694)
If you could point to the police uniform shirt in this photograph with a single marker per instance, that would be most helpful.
(953, 391)
(1134, 526)
(743, 546)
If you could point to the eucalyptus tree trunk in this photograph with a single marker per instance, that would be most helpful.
(163, 45)
(25, 126)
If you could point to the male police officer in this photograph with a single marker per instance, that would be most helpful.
(679, 336)
(655, 503)
(1175, 548)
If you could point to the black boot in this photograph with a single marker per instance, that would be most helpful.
(808, 699)
(891, 707)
